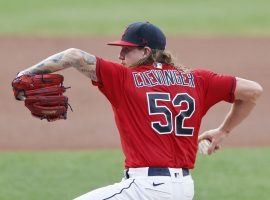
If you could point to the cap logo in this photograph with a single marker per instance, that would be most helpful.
(124, 33)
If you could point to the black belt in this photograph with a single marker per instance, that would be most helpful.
(162, 171)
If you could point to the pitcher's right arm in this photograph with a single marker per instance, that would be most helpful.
(246, 95)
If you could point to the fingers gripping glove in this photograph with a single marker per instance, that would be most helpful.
(42, 95)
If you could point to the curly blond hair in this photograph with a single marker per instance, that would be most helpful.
(161, 56)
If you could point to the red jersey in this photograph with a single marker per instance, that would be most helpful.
(158, 110)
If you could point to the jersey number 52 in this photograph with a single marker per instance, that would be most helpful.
(179, 119)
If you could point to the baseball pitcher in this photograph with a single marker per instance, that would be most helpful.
(158, 107)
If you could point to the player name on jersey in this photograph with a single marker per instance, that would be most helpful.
(152, 78)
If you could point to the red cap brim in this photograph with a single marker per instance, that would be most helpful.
(122, 43)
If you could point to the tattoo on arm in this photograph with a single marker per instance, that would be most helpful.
(82, 61)
(87, 65)
(57, 57)
(49, 65)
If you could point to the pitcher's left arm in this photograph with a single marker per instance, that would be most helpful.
(80, 60)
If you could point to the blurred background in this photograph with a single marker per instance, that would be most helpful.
(41, 160)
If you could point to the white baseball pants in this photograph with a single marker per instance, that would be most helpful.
(138, 185)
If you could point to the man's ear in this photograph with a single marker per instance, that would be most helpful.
(147, 51)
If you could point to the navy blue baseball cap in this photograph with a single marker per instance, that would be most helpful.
(141, 34)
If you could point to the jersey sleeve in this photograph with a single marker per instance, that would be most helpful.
(110, 79)
(216, 88)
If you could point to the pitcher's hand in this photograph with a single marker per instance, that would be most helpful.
(215, 136)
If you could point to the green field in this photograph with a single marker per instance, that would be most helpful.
(103, 17)
(231, 174)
